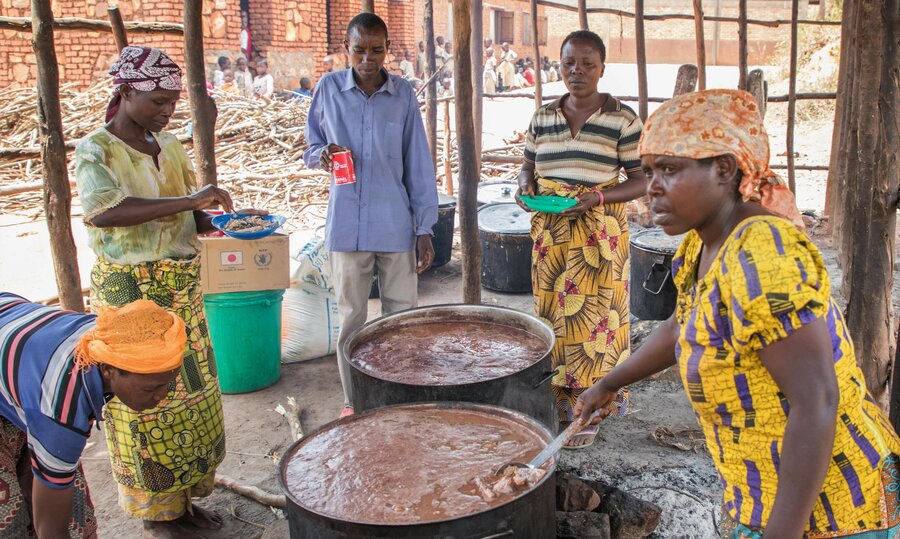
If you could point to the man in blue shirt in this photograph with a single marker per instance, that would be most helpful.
(375, 223)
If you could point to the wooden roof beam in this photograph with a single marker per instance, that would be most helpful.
(23, 24)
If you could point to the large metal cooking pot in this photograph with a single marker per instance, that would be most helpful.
(529, 516)
(496, 192)
(527, 390)
(504, 231)
(653, 293)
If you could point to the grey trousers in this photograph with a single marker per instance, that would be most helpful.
(352, 275)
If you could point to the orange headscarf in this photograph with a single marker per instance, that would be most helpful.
(140, 337)
(711, 123)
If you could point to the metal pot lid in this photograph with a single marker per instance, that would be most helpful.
(446, 201)
(497, 191)
(657, 241)
(504, 219)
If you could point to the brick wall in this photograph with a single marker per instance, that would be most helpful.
(85, 57)
(520, 8)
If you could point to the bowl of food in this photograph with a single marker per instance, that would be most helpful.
(245, 226)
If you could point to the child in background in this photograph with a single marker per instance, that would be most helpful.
(229, 86)
(264, 83)
(304, 91)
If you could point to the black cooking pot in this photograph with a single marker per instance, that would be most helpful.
(527, 390)
(653, 293)
(496, 192)
(504, 231)
(532, 515)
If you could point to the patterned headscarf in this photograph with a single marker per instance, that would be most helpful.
(711, 123)
(145, 69)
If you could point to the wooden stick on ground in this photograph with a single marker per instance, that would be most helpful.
(292, 417)
(254, 493)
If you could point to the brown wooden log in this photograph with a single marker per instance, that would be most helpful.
(872, 183)
(792, 97)
(448, 151)
(756, 85)
(742, 43)
(641, 49)
(57, 191)
(431, 87)
(203, 109)
(118, 28)
(469, 175)
(368, 6)
(536, 50)
(774, 23)
(685, 80)
(700, 41)
(478, 75)
(23, 24)
(823, 10)
(248, 491)
(28, 187)
(582, 15)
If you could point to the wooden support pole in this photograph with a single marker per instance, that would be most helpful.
(431, 86)
(700, 40)
(57, 192)
(469, 175)
(792, 97)
(872, 183)
(832, 192)
(478, 75)
(23, 24)
(448, 151)
(756, 85)
(685, 80)
(582, 15)
(368, 6)
(742, 42)
(536, 50)
(203, 109)
(641, 45)
(118, 28)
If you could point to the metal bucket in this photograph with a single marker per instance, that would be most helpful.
(443, 230)
(531, 515)
(527, 390)
(653, 293)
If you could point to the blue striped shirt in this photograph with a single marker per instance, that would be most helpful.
(394, 198)
(40, 391)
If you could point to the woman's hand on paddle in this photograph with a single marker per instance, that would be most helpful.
(328, 155)
(595, 398)
(586, 201)
(210, 196)
(529, 189)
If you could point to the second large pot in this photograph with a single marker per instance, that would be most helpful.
(526, 390)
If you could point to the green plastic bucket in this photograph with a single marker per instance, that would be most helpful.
(245, 328)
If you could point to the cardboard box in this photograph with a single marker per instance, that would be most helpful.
(232, 265)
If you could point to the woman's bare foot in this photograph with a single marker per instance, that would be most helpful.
(201, 518)
(169, 529)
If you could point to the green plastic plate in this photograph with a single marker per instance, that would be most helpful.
(548, 204)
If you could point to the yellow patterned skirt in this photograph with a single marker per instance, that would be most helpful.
(580, 269)
(163, 456)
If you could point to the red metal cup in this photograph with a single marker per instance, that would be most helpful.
(342, 168)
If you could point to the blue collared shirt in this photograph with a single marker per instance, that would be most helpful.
(395, 197)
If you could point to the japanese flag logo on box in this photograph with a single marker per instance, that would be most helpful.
(231, 258)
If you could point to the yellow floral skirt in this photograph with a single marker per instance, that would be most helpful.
(580, 268)
(163, 456)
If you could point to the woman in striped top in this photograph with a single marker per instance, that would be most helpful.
(578, 147)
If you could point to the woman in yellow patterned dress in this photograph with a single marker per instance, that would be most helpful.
(142, 209)
(577, 147)
(801, 449)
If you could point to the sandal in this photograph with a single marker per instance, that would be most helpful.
(346, 412)
(584, 438)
